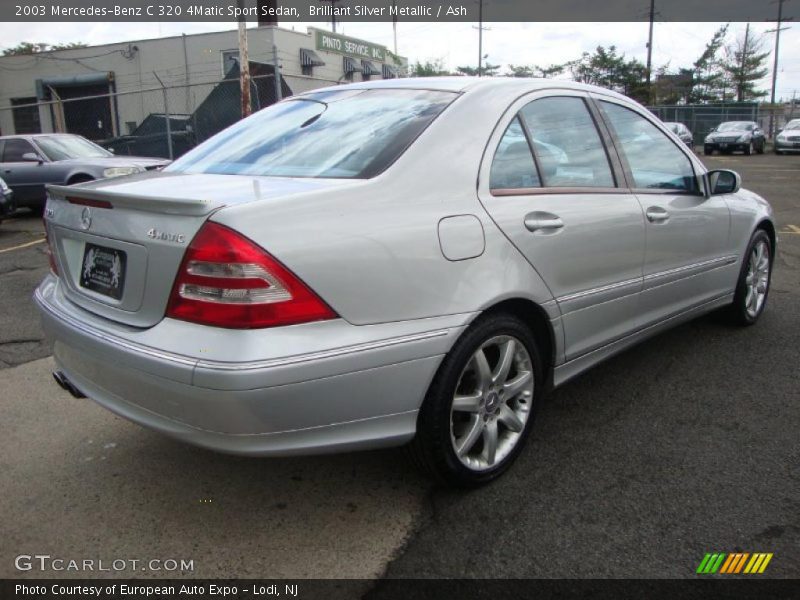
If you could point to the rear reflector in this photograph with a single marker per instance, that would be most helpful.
(89, 202)
(226, 280)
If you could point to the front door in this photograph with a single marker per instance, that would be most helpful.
(554, 190)
(24, 177)
(687, 261)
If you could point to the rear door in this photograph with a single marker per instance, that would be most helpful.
(553, 185)
(687, 259)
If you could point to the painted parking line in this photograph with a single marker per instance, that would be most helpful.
(21, 246)
(792, 229)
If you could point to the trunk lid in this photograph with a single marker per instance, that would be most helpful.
(118, 243)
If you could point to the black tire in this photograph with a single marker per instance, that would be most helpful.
(737, 312)
(708, 151)
(432, 448)
(778, 152)
(762, 147)
(749, 150)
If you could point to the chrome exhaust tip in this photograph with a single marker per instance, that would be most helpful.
(58, 376)
(66, 384)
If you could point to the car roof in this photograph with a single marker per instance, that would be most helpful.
(468, 84)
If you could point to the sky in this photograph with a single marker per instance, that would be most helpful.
(676, 44)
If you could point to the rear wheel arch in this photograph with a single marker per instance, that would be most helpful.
(536, 318)
(769, 227)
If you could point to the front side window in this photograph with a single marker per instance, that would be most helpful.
(15, 149)
(339, 134)
(513, 166)
(568, 147)
(65, 147)
(655, 161)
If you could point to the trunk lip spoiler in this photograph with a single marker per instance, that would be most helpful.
(157, 204)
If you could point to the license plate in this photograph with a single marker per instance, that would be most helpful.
(103, 270)
(723, 145)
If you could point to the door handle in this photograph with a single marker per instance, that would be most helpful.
(656, 214)
(542, 221)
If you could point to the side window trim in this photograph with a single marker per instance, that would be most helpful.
(619, 163)
(699, 177)
(616, 169)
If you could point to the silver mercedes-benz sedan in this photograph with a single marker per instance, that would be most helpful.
(383, 263)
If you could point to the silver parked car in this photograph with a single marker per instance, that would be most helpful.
(682, 131)
(788, 139)
(390, 262)
(29, 162)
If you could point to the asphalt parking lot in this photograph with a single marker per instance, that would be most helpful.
(684, 445)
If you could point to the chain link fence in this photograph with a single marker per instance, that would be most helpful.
(164, 121)
(702, 118)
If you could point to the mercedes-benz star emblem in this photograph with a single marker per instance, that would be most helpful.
(86, 218)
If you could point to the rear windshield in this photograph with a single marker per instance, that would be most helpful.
(338, 134)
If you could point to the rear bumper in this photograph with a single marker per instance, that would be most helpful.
(335, 398)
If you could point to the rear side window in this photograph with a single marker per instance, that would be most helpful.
(347, 134)
(654, 160)
(15, 148)
(568, 147)
(513, 166)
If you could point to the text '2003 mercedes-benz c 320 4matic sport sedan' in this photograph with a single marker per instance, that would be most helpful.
(382, 263)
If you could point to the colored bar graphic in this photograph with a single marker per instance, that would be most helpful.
(734, 563)
(764, 564)
(703, 563)
(741, 562)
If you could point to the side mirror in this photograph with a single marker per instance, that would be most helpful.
(32, 157)
(724, 182)
(111, 150)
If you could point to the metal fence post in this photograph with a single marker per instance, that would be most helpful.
(166, 116)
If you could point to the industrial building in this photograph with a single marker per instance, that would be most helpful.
(126, 88)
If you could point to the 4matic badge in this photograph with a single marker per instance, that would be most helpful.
(155, 234)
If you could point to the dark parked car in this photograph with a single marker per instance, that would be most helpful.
(6, 200)
(788, 139)
(744, 136)
(682, 131)
(29, 162)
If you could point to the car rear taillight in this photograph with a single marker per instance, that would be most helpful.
(226, 280)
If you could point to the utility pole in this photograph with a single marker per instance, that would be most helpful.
(740, 81)
(333, 13)
(394, 25)
(648, 70)
(244, 62)
(276, 67)
(777, 31)
(480, 29)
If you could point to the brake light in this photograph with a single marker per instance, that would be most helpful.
(226, 280)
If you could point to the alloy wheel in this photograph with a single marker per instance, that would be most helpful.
(492, 403)
(757, 279)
